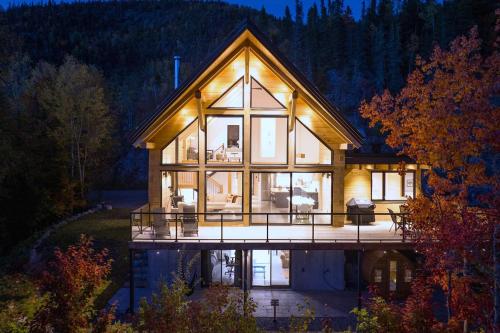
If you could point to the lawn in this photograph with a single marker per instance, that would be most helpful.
(109, 229)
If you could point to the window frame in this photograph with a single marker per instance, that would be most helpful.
(290, 210)
(287, 140)
(383, 172)
(318, 138)
(242, 139)
(241, 79)
(242, 195)
(177, 148)
(181, 170)
(266, 90)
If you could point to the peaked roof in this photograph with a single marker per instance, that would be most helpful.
(250, 26)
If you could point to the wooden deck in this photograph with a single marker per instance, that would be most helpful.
(291, 236)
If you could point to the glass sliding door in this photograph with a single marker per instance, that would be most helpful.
(311, 193)
(224, 266)
(179, 191)
(224, 194)
(271, 194)
(271, 268)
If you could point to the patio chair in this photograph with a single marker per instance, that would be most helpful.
(189, 223)
(397, 224)
(303, 211)
(160, 225)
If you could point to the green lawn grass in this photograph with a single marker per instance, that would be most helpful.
(109, 229)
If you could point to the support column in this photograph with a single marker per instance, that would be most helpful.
(359, 280)
(245, 279)
(131, 282)
(338, 187)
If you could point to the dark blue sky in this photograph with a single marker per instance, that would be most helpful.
(275, 7)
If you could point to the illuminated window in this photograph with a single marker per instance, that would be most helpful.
(224, 195)
(231, 98)
(261, 98)
(308, 148)
(408, 275)
(224, 139)
(179, 189)
(184, 148)
(392, 186)
(269, 140)
(377, 275)
(393, 275)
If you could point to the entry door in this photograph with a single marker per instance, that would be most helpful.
(270, 268)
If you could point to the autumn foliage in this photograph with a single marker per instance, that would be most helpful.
(70, 282)
(446, 118)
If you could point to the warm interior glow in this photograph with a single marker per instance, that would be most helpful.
(308, 148)
(184, 148)
(269, 140)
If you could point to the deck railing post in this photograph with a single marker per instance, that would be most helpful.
(403, 217)
(312, 227)
(267, 228)
(221, 229)
(149, 214)
(176, 222)
(131, 226)
(357, 218)
(140, 228)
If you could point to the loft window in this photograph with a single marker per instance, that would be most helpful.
(308, 148)
(184, 148)
(261, 98)
(224, 139)
(269, 140)
(232, 98)
(387, 185)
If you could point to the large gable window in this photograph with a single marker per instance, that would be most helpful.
(232, 98)
(269, 140)
(184, 148)
(224, 139)
(387, 185)
(261, 98)
(308, 148)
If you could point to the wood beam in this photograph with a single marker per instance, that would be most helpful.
(293, 108)
(247, 65)
(199, 106)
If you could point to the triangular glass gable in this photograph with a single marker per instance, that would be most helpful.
(232, 98)
(261, 98)
(184, 148)
(309, 149)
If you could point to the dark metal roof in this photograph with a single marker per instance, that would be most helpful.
(363, 158)
(247, 25)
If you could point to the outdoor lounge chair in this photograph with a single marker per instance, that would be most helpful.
(189, 221)
(160, 225)
(397, 224)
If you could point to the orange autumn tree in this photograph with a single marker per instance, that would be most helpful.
(447, 118)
